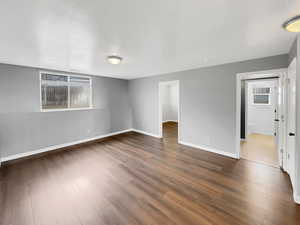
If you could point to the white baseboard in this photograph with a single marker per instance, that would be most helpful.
(176, 121)
(296, 198)
(209, 149)
(146, 133)
(54, 147)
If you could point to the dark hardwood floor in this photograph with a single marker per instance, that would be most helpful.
(134, 179)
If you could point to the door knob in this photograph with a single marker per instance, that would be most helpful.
(291, 134)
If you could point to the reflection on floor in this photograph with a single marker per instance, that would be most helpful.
(260, 148)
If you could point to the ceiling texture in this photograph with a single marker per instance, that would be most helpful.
(153, 36)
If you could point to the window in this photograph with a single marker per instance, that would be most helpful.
(65, 92)
(261, 96)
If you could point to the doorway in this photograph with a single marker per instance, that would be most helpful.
(259, 126)
(253, 134)
(169, 116)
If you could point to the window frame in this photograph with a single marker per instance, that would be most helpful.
(41, 72)
(268, 94)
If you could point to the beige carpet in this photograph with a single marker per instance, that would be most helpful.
(260, 148)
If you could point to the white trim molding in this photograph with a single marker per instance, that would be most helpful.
(160, 111)
(261, 74)
(165, 121)
(204, 148)
(280, 73)
(296, 198)
(146, 133)
(68, 75)
(209, 149)
(55, 147)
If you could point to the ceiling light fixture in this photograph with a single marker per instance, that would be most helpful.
(112, 59)
(293, 24)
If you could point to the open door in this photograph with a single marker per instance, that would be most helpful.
(291, 120)
(277, 131)
(279, 122)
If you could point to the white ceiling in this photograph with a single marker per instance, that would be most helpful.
(153, 36)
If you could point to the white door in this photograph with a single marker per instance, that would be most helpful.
(277, 131)
(279, 123)
(291, 120)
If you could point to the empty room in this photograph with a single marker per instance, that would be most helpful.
(153, 112)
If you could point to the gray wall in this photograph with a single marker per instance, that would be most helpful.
(207, 107)
(293, 51)
(24, 128)
(208, 101)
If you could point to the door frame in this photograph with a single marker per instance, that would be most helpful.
(160, 121)
(281, 74)
(291, 171)
(246, 110)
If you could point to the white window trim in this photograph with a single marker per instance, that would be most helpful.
(262, 104)
(66, 109)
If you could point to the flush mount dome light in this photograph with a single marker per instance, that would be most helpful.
(293, 24)
(112, 59)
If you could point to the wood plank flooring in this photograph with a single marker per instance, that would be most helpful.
(134, 179)
(260, 148)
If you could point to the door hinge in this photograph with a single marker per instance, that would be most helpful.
(288, 156)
